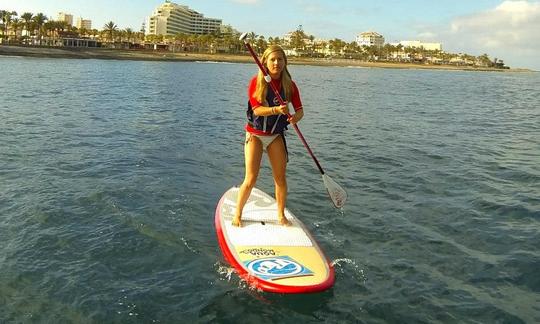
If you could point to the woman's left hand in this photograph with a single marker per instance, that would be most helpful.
(293, 119)
(296, 117)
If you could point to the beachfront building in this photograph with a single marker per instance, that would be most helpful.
(171, 18)
(84, 23)
(424, 45)
(67, 18)
(288, 37)
(370, 38)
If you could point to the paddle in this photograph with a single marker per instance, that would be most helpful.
(337, 194)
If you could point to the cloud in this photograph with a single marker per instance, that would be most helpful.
(510, 31)
(519, 19)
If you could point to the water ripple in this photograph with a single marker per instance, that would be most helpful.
(111, 171)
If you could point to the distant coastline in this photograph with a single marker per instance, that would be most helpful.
(147, 55)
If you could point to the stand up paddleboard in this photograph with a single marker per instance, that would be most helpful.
(269, 256)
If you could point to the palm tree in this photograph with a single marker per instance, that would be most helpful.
(151, 38)
(387, 50)
(169, 39)
(322, 48)
(110, 28)
(181, 40)
(56, 28)
(274, 41)
(484, 60)
(40, 20)
(413, 53)
(336, 46)
(311, 45)
(2, 13)
(353, 49)
(298, 42)
(129, 34)
(233, 43)
(261, 43)
(27, 20)
(373, 52)
(252, 36)
(94, 33)
(82, 32)
(139, 36)
(6, 20)
(15, 24)
(399, 49)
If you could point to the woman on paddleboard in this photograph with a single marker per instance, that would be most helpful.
(267, 120)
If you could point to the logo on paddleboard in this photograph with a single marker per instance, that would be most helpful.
(259, 252)
(276, 268)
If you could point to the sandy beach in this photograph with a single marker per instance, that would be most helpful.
(146, 55)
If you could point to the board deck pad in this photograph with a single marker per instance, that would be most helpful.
(268, 255)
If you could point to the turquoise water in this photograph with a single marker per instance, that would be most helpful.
(111, 171)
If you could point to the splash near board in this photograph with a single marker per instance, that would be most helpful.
(269, 256)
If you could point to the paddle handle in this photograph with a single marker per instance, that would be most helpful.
(268, 80)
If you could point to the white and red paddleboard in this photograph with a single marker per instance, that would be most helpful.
(269, 256)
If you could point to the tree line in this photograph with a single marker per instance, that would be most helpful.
(298, 43)
(38, 26)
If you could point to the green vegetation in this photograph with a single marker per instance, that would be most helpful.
(30, 29)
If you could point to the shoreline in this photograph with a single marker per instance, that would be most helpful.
(137, 55)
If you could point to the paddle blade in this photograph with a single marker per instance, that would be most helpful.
(337, 194)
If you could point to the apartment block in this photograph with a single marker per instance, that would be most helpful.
(84, 23)
(67, 18)
(171, 18)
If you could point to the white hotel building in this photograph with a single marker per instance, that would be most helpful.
(171, 18)
(370, 39)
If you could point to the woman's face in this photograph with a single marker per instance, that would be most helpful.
(275, 64)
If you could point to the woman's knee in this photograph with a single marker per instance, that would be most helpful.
(280, 181)
(249, 182)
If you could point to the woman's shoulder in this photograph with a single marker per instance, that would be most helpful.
(253, 81)
(252, 84)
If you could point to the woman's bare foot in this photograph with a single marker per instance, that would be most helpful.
(282, 220)
(237, 221)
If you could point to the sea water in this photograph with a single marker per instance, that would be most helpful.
(110, 172)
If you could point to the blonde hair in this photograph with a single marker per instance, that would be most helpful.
(286, 81)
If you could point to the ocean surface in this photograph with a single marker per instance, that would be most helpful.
(110, 172)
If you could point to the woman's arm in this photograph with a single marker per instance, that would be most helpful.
(269, 111)
(279, 110)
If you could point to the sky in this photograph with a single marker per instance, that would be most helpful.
(504, 29)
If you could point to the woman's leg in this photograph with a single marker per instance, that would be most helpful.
(253, 156)
(278, 159)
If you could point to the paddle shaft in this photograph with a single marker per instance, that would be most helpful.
(268, 79)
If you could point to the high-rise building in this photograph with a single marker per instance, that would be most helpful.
(67, 18)
(370, 39)
(171, 18)
(84, 23)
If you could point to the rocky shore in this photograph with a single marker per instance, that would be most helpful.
(147, 55)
